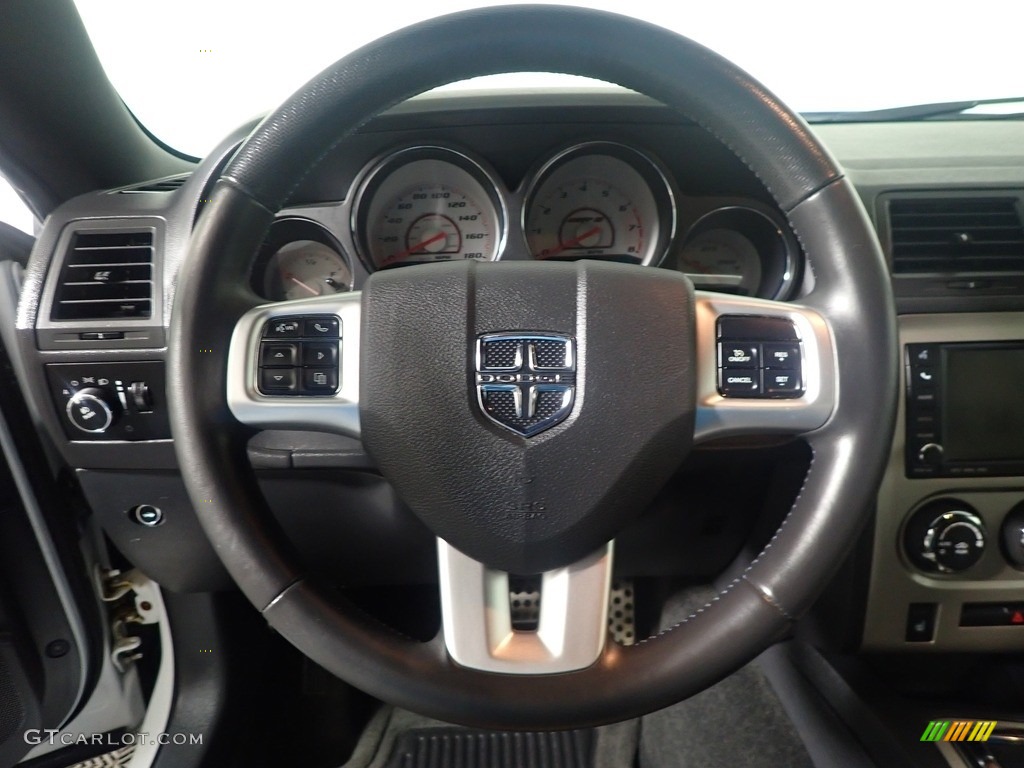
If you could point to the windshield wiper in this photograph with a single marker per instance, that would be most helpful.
(949, 110)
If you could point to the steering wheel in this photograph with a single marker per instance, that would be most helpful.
(526, 411)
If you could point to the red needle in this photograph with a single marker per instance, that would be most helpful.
(413, 249)
(296, 280)
(570, 243)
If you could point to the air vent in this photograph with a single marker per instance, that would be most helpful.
(163, 185)
(106, 276)
(956, 235)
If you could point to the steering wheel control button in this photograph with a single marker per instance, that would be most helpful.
(320, 354)
(782, 356)
(739, 355)
(309, 365)
(283, 328)
(89, 410)
(323, 327)
(758, 357)
(945, 536)
(147, 515)
(921, 622)
(280, 355)
(739, 382)
(278, 381)
(319, 381)
(781, 382)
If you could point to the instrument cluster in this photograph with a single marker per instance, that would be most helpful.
(593, 200)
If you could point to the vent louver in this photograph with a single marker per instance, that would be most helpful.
(956, 235)
(162, 185)
(106, 276)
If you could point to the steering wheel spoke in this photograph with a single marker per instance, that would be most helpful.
(295, 365)
(763, 367)
(477, 615)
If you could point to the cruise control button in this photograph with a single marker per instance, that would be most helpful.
(321, 354)
(781, 382)
(319, 381)
(325, 327)
(738, 382)
(738, 355)
(278, 381)
(283, 327)
(782, 356)
(281, 355)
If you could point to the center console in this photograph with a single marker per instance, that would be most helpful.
(948, 565)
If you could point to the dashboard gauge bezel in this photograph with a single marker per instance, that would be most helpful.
(379, 170)
(291, 229)
(651, 170)
(773, 240)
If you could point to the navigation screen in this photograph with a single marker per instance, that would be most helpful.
(983, 404)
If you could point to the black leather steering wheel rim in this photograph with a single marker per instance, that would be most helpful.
(851, 289)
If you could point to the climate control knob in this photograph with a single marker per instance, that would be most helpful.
(92, 410)
(945, 536)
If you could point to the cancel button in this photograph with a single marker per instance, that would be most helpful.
(738, 382)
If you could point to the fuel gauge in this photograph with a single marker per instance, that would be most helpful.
(740, 250)
(723, 260)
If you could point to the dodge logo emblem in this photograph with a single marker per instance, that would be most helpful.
(525, 382)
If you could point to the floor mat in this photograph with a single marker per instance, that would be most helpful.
(738, 723)
(437, 747)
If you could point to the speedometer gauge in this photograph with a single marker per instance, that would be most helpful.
(428, 204)
(600, 201)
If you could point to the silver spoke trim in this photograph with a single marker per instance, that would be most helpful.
(477, 618)
(719, 416)
(335, 413)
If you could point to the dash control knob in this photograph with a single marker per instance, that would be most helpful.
(945, 536)
(92, 410)
(930, 454)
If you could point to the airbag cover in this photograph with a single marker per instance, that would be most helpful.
(527, 504)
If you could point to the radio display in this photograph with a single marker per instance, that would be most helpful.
(982, 404)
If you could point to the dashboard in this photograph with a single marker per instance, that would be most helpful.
(609, 192)
(560, 176)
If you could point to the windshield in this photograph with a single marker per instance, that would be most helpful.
(193, 71)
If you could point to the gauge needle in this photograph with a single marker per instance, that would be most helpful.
(412, 249)
(570, 243)
(296, 280)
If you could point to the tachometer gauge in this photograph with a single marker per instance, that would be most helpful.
(428, 204)
(306, 268)
(600, 201)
